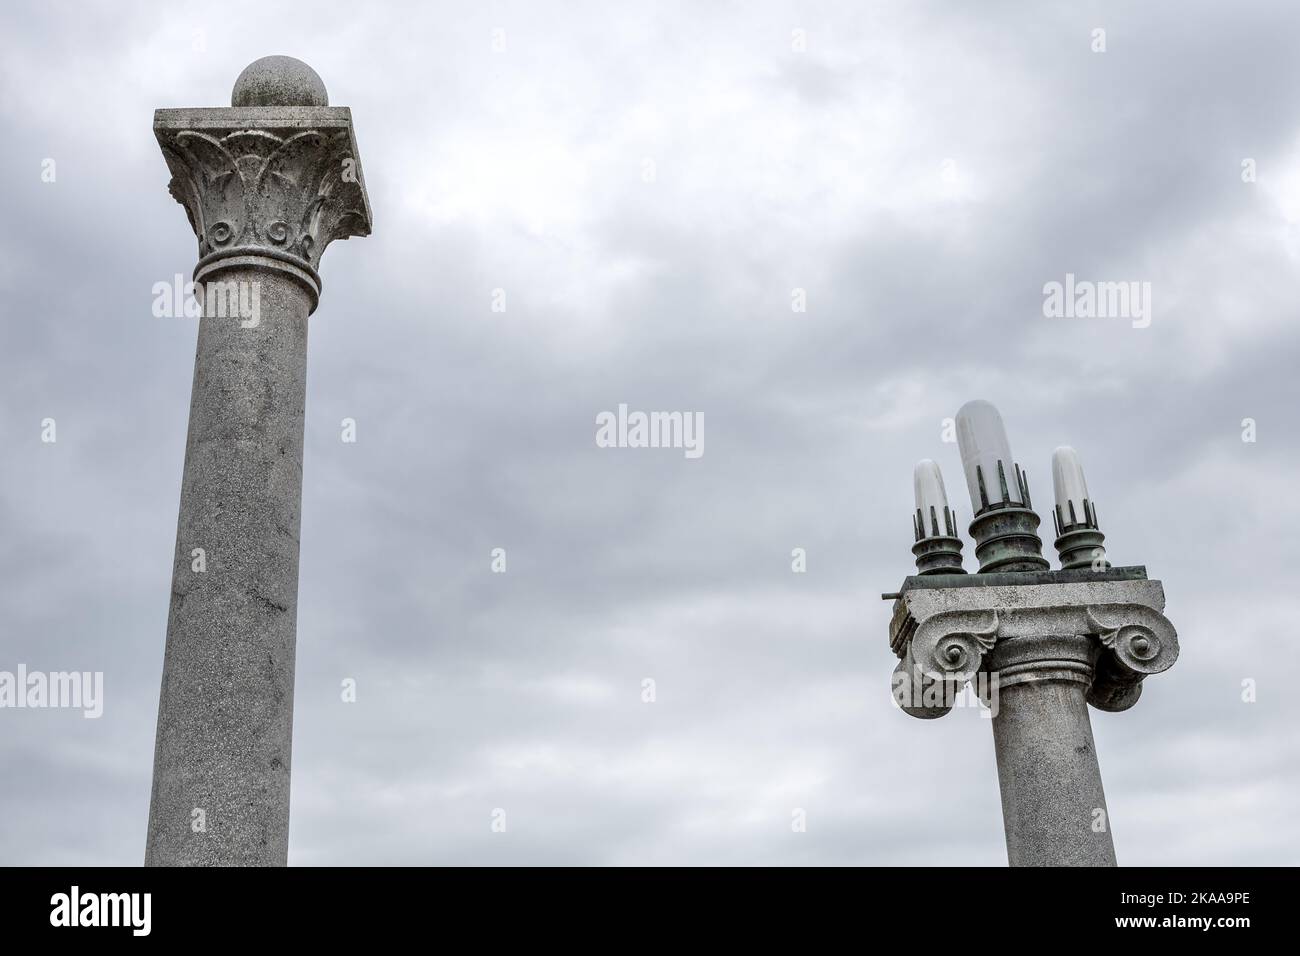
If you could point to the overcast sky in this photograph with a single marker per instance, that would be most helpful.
(921, 170)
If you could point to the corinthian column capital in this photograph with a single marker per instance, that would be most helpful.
(265, 186)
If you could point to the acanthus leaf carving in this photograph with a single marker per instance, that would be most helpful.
(249, 189)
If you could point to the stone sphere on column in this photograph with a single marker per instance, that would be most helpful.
(279, 81)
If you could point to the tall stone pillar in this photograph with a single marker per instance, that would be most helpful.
(1038, 647)
(267, 184)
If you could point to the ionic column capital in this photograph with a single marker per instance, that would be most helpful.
(1105, 629)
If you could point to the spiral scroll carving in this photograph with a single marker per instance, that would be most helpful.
(952, 646)
(1142, 640)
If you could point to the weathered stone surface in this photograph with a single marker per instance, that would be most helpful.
(279, 81)
(225, 714)
(267, 185)
(1053, 806)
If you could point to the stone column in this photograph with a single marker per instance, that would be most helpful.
(1053, 807)
(1039, 647)
(267, 184)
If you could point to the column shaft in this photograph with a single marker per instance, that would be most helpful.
(225, 719)
(1053, 807)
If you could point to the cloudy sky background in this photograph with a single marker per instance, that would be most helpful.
(921, 170)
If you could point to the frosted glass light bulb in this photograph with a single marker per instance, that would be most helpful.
(982, 440)
(1069, 485)
(927, 481)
